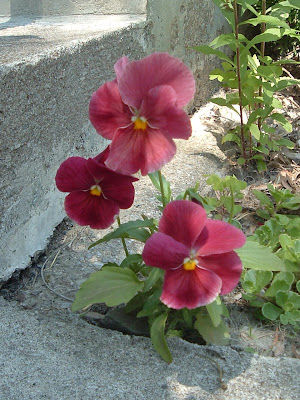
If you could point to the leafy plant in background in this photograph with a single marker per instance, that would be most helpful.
(252, 77)
(188, 259)
(276, 294)
(271, 286)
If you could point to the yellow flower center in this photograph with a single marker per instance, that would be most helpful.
(189, 265)
(95, 190)
(140, 123)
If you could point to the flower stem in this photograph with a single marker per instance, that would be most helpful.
(238, 68)
(123, 240)
(163, 199)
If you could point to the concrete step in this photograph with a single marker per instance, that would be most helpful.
(42, 8)
(48, 71)
(49, 67)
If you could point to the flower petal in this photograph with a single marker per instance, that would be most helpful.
(132, 150)
(159, 108)
(162, 251)
(120, 65)
(219, 237)
(73, 175)
(183, 221)
(190, 289)
(227, 266)
(101, 158)
(114, 186)
(95, 211)
(107, 111)
(157, 69)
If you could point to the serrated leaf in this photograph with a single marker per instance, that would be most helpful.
(270, 311)
(212, 335)
(157, 334)
(111, 285)
(258, 257)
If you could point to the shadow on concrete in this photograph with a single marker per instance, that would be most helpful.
(23, 12)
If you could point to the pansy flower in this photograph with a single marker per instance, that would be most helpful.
(96, 193)
(196, 254)
(141, 112)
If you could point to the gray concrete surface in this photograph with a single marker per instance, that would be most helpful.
(43, 357)
(49, 67)
(42, 8)
(47, 75)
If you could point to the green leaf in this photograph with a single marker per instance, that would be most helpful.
(284, 276)
(261, 166)
(132, 259)
(150, 304)
(255, 281)
(283, 121)
(258, 257)
(154, 176)
(211, 334)
(277, 286)
(209, 51)
(157, 334)
(215, 311)
(270, 311)
(288, 300)
(266, 19)
(255, 131)
(131, 230)
(298, 286)
(231, 137)
(154, 276)
(111, 285)
(263, 198)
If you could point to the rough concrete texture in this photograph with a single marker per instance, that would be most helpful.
(42, 8)
(179, 26)
(44, 100)
(43, 357)
(49, 69)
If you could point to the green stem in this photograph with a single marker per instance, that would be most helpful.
(161, 188)
(123, 240)
(232, 206)
(238, 67)
(262, 51)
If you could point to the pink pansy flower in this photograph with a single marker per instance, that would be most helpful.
(96, 193)
(196, 254)
(141, 112)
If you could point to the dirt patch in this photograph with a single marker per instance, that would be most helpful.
(50, 284)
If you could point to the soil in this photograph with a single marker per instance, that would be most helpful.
(55, 274)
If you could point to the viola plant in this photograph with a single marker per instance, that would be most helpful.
(188, 260)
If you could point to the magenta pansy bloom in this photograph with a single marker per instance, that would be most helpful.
(141, 112)
(196, 254)
(96, 193)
